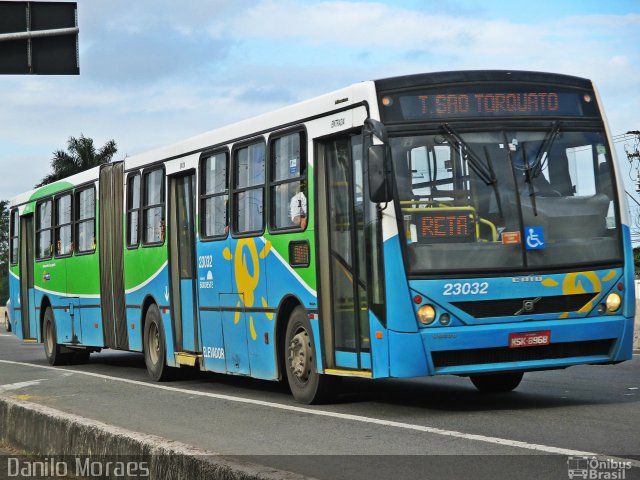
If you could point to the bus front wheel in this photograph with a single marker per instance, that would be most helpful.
(306, 384)
(155, 346)
(497, 382)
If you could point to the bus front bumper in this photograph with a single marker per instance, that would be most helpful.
(468, 350)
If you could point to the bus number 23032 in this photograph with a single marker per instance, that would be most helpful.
(466, 288)
(205, 261)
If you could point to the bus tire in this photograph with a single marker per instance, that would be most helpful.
(497, 382)
(52, 349)
(155, 352)
(305, 383)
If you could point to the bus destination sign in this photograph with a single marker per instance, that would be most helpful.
(477, 102)
(445, 226)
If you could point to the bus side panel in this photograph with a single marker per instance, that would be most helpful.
(165, 313)
(50, 280)
(83, 279)
(213, 278)
(146, 275)
(379, 347)
(629, 300)
(213, 353)
(286, 281)
(625, 351)
(156, 287)
(134, 327)
(407, 356)
(400, 314)
(14, 294)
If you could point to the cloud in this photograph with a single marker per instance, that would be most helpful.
(157, 71)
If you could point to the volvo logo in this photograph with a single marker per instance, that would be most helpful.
(528, 305)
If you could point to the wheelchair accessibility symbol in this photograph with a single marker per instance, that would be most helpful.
(534, 238)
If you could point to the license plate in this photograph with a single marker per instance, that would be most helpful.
(529, 339)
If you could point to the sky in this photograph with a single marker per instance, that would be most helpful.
(153, 72)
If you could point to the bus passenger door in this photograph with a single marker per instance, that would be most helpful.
(343, 255)
(26, 298)
(182, 262)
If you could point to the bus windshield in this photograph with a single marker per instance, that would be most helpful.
(505, 199)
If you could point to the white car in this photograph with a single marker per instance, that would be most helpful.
(7, 317)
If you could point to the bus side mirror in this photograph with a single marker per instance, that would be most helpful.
(378, 185)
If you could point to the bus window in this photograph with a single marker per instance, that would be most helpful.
(64, 242)
(215, 195)
(153, 224)
(133, 210)
(288, 195)
(86, 220)
(248, 195)
(43, 230)
(432, 172)
(581, 170)
(13, 241)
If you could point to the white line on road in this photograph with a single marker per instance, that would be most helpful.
(18, 385)
(344, 416)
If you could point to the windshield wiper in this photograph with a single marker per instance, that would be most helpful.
(485, 172)
(474, 161)
(546, 145)
(529, 175)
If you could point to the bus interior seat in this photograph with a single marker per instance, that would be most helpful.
(560, 178)
(564, 217)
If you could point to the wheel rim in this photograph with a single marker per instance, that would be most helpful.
(154, 343)
(300, 357)
(49, 338)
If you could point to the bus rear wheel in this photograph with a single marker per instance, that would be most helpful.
(306, 384)
(52, 349)
(497, 382)
(155, 346)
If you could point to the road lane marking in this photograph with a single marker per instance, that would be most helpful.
(343, 416)
(15, 386)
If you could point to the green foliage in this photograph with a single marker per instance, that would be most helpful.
(636, 260)
(4, 251)
(81, 155)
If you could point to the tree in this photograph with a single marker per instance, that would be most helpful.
(636, 260)
(81, 155)
(4, 251)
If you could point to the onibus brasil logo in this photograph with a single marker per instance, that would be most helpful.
(597, 468)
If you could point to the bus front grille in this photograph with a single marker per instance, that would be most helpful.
(479, 356)
(516, 306)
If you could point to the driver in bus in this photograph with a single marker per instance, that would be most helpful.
(298, 207)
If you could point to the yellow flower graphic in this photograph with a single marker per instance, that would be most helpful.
(246, 269)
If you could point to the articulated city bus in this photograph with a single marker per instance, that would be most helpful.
(469, 223)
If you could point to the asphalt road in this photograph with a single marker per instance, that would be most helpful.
(398, 429)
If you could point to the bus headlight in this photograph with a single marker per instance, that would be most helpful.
(613, 302)
(426, 314)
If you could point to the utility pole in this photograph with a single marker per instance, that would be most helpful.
(634, 154)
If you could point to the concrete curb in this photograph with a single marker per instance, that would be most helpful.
(42, 430)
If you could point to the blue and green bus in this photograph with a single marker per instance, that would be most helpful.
(467, 223)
